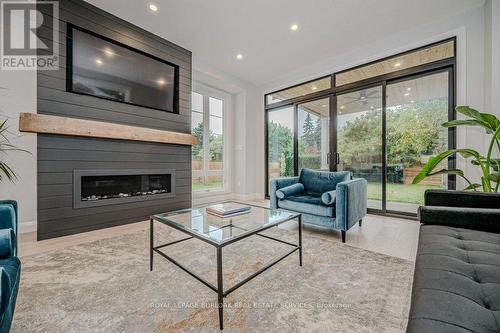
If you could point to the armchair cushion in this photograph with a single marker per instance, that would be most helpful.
(290, 190)
(319, 182)
(307, 204)
(328, 198)
(6, 243)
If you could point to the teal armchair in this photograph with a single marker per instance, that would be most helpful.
(10, 265)
(329, 199)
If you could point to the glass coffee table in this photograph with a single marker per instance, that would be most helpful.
(219, 232)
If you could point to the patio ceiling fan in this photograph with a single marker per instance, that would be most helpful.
(363, 97)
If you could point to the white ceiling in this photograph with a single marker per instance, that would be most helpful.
(216, 30)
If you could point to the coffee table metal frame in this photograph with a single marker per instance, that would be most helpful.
(219, 289)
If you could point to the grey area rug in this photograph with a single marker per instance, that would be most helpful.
(106, 286)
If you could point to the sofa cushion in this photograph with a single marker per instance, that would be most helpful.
(290, 190)
(307, 204)
(457, 281)
(319, 182)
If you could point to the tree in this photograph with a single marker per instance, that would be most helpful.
(197, 149)
(280, 143)
(317, 134)
(216, 147)
(413, 130)
(308, 131)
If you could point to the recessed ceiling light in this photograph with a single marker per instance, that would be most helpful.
(407, 94)
(239, 56)
(314, 88)
(371, 107)
(408, 89)
(153, 7)
(323, 106)
(108, 52)
(161, 81)
(98, 61)
(342, 107)
(294, 27)
(397, 64)
(412, 101)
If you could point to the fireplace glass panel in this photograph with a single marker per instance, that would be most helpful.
(123, 186)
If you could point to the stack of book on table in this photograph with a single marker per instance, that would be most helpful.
(228, 209)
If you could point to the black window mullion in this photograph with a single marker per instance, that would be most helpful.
(384, 147)
(296, 140)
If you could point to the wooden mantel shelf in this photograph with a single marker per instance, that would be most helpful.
(39, 123)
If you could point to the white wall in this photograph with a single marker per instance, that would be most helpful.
(18, 94)
(492, 56)
(469, 28)
(245, 107)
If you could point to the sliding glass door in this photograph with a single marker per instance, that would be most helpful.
(388, 139)
(416, 108)
(359, 139)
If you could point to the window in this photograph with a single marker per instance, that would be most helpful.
(407, 60)
(300, 90)
(208, 124)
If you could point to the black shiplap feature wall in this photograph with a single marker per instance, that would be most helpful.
(58, 156)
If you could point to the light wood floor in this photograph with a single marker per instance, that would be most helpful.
(388, 235)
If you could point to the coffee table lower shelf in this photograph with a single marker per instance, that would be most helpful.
(219, 289)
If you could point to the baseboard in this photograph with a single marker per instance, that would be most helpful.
(227, 196)
(29, 226)
(247, 197)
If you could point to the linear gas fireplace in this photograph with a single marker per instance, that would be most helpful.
(107, 187)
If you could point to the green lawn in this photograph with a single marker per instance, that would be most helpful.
(197, 185)
(407, 193)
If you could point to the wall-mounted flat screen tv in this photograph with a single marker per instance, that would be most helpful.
(100, 67)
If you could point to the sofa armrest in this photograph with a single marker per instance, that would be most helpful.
(445, 198)
(7, 245)
(482, 219)
(278, 183)
(351, 202)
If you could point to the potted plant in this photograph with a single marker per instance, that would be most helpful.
(489, 166)
(5, 146)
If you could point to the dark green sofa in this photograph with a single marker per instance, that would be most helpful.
(10, 265)
(456, 286)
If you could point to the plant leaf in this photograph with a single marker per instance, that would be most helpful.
(433, 162)
(486, 120)
(448, 171)
(495, 176)
(472, 186)
(7, 171)
(466, 122)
